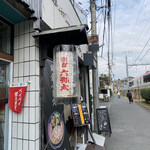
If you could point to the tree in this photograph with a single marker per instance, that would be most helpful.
(103, 81)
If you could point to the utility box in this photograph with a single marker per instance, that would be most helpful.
(93, 47)
(90, 60)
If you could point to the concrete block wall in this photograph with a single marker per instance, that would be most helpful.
(25, 125)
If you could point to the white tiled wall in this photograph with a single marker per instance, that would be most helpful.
(25, 125)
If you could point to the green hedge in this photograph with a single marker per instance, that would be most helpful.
(101, 99)
(145, 93)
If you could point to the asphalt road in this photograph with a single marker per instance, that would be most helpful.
(130, 125)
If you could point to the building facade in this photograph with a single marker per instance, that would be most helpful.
(24, 58)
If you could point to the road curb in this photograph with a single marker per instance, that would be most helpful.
(147, 106)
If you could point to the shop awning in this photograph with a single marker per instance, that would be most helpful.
(67, 35)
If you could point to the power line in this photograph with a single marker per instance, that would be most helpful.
(141, 53)
(145, 54)
(138, 64)
(142, 49)
(134, 24)
(136, 20)
(103, 58)
(142, 33)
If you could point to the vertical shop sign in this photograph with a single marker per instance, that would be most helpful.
(16, 96)
(65, 75)
(64, 81)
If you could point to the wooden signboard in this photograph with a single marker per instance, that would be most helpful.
(93, 39)
(103, 120)
(80, 114)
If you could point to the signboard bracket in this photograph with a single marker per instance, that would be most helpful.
(76, 137)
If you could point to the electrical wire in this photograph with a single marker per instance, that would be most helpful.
(103, 58)
(145, 54)
(142, 33)
(142, 30)
(142, 49)
(129, 39)
(136, 20)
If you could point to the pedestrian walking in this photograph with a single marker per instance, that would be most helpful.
(129, 95)
(118, 93)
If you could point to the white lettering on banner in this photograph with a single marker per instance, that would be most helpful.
(18, 97)
(65, 75)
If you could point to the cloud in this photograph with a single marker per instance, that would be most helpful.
(131, 32)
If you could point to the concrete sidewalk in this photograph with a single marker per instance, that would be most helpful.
(144, 104)
(130, 125)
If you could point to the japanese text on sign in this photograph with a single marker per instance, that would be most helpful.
(16, 96)
(64, 80)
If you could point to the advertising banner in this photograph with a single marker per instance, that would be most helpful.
(16, 96)
(54, 128)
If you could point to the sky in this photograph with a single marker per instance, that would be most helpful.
(130, 37)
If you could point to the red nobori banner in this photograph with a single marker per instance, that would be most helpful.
(16, 96)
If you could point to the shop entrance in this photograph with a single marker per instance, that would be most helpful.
(4, 78)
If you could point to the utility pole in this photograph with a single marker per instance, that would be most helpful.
(94, 71)
(127, 71)
(126, 59)
(109, 68)
(109, 17)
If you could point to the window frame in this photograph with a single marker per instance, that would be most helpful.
(6, 55)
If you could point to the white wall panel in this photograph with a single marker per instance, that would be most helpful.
(60, 15)
(70, 15)
(51, 15)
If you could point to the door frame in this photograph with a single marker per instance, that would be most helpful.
(8, 146)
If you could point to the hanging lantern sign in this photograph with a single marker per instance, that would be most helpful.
(65, 74)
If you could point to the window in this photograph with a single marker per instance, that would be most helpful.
(5, 37)
(146, 78)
